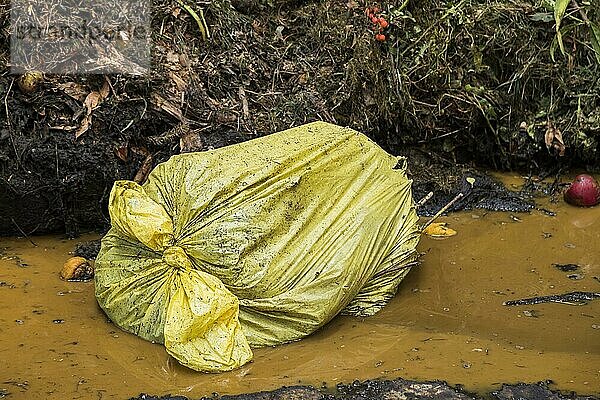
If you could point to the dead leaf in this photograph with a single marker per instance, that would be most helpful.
(122, 152)
(242, 95)
(105, 89)
(167, 106)
(190, 142)
(74, 90)
(554, 140)
(439, 230)
(85, 125)
(140, 151)
(144, 171)
(91, 102)
(180, 83)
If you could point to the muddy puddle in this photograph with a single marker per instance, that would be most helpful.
(447, 321)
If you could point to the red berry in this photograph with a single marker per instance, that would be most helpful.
(380, 37)
(383, 23)
(374, 19)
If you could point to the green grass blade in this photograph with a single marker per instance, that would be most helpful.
(595, 34)
(198, 18)
(559, 12)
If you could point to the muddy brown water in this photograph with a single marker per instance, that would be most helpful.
(447, 321)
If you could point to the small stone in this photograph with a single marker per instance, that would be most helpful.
(575, 277)
(531, 313)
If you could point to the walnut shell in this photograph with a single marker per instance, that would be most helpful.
(29, 81)
(77, 269)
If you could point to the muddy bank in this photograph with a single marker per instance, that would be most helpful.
(455, 83)
(48, 190)
(394, 389)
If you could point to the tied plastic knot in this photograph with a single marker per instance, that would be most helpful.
(175, 257)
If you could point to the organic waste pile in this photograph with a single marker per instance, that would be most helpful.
(484, 81)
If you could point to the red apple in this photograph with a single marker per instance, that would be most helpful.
(583, 192)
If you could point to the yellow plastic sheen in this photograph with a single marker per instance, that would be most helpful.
(256, 244)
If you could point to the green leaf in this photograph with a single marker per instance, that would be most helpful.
(595, 34)
(559, 11)
(543, 17)
(553, 47)
(560, 43)
(199, 18)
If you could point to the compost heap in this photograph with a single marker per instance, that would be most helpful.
(257, 244)
(483, 81)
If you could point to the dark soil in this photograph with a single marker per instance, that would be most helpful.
(395, 389)
(59, 184)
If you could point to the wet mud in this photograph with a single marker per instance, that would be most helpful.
(447, 322)
(574, 298)
(395, 389)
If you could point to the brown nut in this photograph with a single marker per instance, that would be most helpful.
(77, 269)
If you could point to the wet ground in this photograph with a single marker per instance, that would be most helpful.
(447, 322)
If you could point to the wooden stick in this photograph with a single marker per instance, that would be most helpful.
(447, 206)
(424, 200)
(471, 181)
(23, 232)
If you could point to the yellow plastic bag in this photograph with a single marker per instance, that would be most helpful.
(256, 244)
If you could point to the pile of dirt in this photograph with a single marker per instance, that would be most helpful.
(473, 80)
